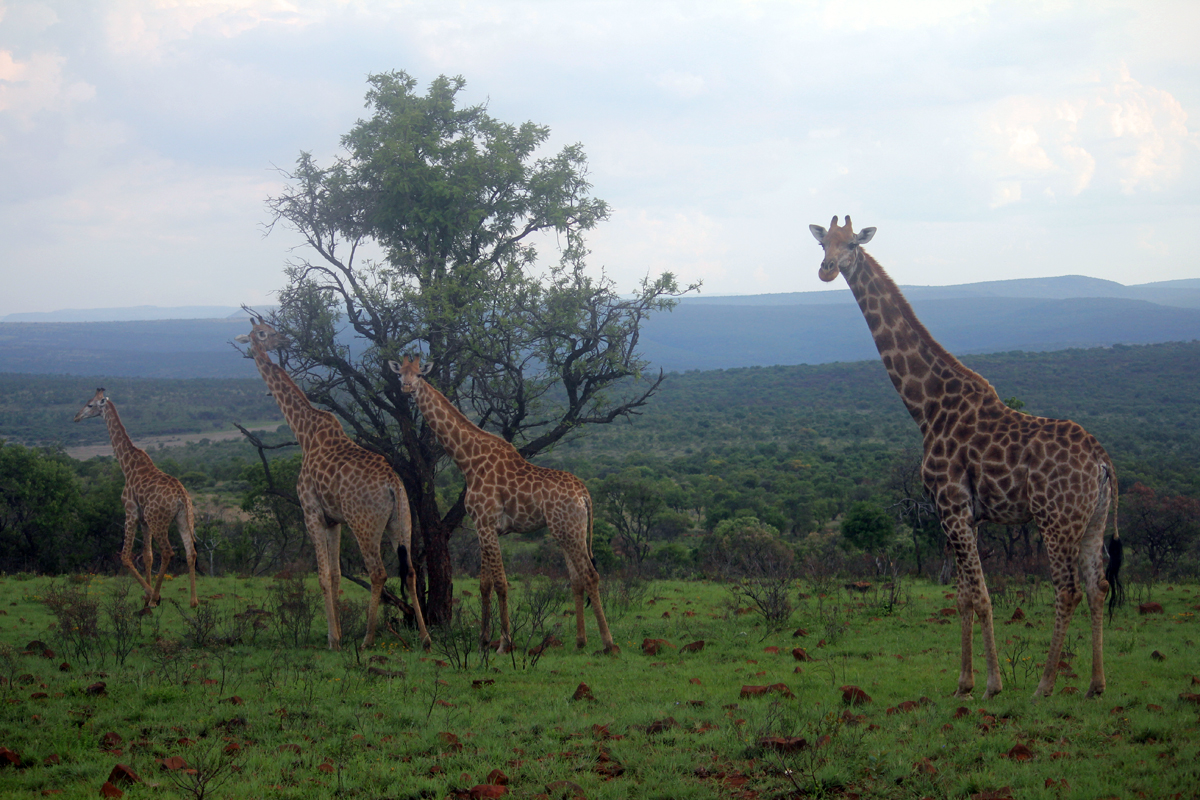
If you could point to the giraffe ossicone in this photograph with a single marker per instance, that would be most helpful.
(152, 498)
(505, 493)
(340, 483)
(984, 462)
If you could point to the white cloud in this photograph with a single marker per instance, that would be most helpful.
(37, 84)
(1120, 135)
(146, 29)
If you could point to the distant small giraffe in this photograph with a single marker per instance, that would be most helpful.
(985, 462)
(340, 482)
(152, 498)
(506, 493)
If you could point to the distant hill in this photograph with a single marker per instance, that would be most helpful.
(1182, 293)
(1038, 314)
(129, 314)
(183, 348)
(712, 336)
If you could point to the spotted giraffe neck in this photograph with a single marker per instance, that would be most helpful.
(305, 421)
(129, 456)
(462, 439)
(923, 372)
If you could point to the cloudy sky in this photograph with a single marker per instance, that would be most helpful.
(985, 140)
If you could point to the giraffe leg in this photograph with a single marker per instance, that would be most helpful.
(187, 532)
(1091, 563)
(148, 559)
(973, 599)
(321, 535)
(485, 601)
(500, 583)
(369, 545)
(491, 576)
(1063, 556)
(166, 552)
(131, 529)
(333, 536)
(585, 581)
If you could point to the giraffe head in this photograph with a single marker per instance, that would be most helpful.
(841, 247)
(410, 372)
(262, 333)
(94, 407)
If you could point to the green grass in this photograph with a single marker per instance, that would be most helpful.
(430, 729)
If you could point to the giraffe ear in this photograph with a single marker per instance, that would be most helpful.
(864, 236)
(818, 233)
(426, 367)
(242, 339)
(395, 366)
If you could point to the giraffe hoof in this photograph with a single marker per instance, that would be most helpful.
(611, 650)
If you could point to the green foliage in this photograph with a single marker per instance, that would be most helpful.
(38, 503)
(868, 527)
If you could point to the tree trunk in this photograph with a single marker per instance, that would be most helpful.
(435, 541)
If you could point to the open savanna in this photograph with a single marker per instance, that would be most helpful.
(202, 703)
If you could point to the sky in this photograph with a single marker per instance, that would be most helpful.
(985, 140)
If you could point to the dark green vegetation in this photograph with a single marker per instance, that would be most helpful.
(793, 448)
(235, 699)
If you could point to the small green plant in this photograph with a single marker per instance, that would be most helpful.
(293, 608)
(78, 616)
(124, 620)
(210, 766)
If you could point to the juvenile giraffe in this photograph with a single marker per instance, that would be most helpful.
(506, 493)
(985, 462)
(152, 498)
(340, 482)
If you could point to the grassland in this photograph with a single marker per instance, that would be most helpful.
(205, 704)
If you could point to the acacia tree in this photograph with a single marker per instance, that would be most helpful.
(1161, 526)
(454, 199)
(630, 501)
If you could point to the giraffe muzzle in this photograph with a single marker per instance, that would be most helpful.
(828, 272)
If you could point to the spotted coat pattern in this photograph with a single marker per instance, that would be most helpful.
(340, 482)
(152, 498)
(506, 493)
(985, 462)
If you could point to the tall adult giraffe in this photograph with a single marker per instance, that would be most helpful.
(152, 498)
(506, 493)
(985, 462)
(340, 482)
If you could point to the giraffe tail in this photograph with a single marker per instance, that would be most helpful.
(591, 533)
(401, 534)
(1116, 552)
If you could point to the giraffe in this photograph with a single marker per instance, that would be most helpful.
(985, 462)
(506, 493)
(152, 498)
(340, 482)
